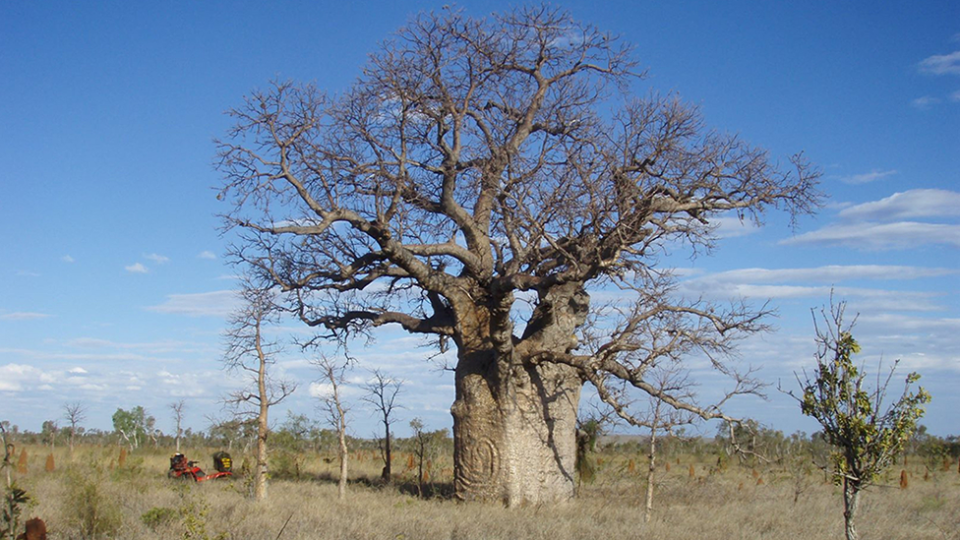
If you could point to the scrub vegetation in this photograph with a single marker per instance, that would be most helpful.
(788, 496)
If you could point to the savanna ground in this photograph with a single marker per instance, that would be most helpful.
(90, 496)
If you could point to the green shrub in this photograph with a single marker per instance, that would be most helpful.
(90, 509)
(157, 516)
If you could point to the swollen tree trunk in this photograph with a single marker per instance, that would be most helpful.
(851, 501)
(517, 446)
(514, 420)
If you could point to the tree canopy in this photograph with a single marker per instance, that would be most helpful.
(475, 182)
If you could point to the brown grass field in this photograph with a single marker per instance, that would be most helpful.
(89, 496)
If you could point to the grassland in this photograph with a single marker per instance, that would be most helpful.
(90, 496)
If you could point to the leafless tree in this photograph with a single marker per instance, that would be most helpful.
(477, 164)
(661, 418)
(74, 413)
(177, 407)
(248, 351)
(382, 395)
(333, 405)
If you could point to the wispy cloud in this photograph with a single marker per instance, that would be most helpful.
(209, 304)
(820, 282)
(913, 204)
(831, 273)
(67, 259)
(892, 223)
(880, 236)
(925, 102)
(732, 226)
(865, 178)
(159, 259)
(23, 316)
(942, 64)
(207, 255)
(27, 273)
(136, 268)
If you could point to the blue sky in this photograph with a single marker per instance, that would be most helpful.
(113, 285)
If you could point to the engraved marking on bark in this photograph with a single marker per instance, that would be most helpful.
(481, 462)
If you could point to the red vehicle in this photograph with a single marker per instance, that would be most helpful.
(188, 470)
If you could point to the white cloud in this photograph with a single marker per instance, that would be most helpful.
(67, 259)
(880, 236)
(861, 298)
(137, 268)
(792, 283)
(912, 204)
(925, 102)
(77, 371)
(866, 177)
(159, 259)
(23, 316)
(320, 390)
(942, 64)
(732, 226)
(213, 304)
(207, 255)
(830, 273)
(14, 376)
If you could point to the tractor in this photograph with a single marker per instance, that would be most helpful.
(183, 469)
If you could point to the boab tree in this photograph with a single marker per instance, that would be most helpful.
(474, 166)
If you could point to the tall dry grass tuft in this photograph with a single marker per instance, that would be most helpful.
(692, 472)
(50, 465)
(631, 466)
(122, 460)
(22, 462)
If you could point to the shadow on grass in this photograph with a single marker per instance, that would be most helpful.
(406, 486)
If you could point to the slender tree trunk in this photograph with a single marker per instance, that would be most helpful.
(651, 469)
(263, 427)
(387, 470)
(342, 436)
(851, 501)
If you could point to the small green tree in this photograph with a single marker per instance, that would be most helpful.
(866, 436)
(132, 425)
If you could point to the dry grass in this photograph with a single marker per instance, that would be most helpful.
(712, 504)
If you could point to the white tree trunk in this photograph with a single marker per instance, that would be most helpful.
(651, 471)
